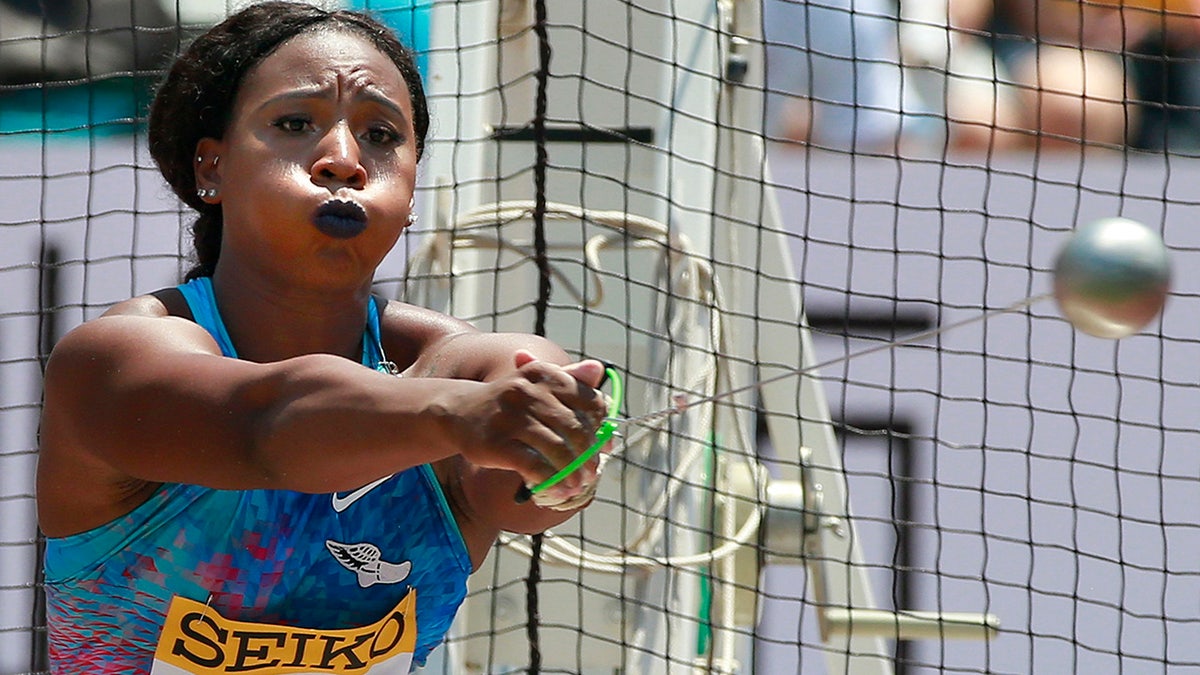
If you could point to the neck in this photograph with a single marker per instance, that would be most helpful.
(271, 321)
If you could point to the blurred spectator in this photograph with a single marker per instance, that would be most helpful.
(1066, 57)
(834, 74)
(1165, 64)
(869, 76)
(1152, 44)
(1014, 74)
(1058, 74)
(951, 66)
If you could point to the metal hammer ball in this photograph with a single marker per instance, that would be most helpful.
(1112, 277)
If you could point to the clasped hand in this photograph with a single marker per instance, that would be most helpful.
(536, 420)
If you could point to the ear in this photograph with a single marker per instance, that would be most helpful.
(208, 169)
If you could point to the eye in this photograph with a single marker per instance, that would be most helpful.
(293, 124)
(383, 136)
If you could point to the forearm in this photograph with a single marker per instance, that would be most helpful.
(326, 424)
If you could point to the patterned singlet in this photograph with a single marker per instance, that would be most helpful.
(198, 580)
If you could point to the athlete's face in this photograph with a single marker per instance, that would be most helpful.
(317, 168)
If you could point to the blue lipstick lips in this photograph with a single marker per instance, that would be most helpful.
(340, 219)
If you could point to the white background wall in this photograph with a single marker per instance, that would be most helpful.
(1102, 435)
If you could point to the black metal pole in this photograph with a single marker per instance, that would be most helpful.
(533, 617)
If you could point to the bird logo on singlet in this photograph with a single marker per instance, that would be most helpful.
(366, 560)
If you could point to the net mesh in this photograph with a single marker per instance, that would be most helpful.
(1013, 471)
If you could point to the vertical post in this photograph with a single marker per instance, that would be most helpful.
(49, 302)
(533, 617)
(901, 451)
(898, 434)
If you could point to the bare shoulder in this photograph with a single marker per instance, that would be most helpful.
(421, 323)
(427, 343)
(163, 302)
(81, 386)
(143, 305)
(123, 331)
(411, 332)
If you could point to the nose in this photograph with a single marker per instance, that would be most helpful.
(338, 161)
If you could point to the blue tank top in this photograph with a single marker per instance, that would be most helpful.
(259, 580)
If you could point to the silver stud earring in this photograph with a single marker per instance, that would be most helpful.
(412, 219)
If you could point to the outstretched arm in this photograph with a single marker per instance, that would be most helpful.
(133, 401)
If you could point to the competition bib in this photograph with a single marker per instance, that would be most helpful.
(196, 640)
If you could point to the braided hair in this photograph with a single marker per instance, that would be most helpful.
(196, 99)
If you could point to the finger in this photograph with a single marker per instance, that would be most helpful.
(588, 403)
(589, 420)
(558, 455)
(607, 448)
(525, 460)
(577, 486)
(522, 357)
(575, 385)
(588, 371)
(574, 425)
(560, 498)
(543, 372)
(564, 502)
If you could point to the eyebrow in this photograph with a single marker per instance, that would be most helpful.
(369, 92)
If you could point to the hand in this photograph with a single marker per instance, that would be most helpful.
(598, 452)
(535, 421)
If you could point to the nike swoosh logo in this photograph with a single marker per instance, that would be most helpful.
(342, 503)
